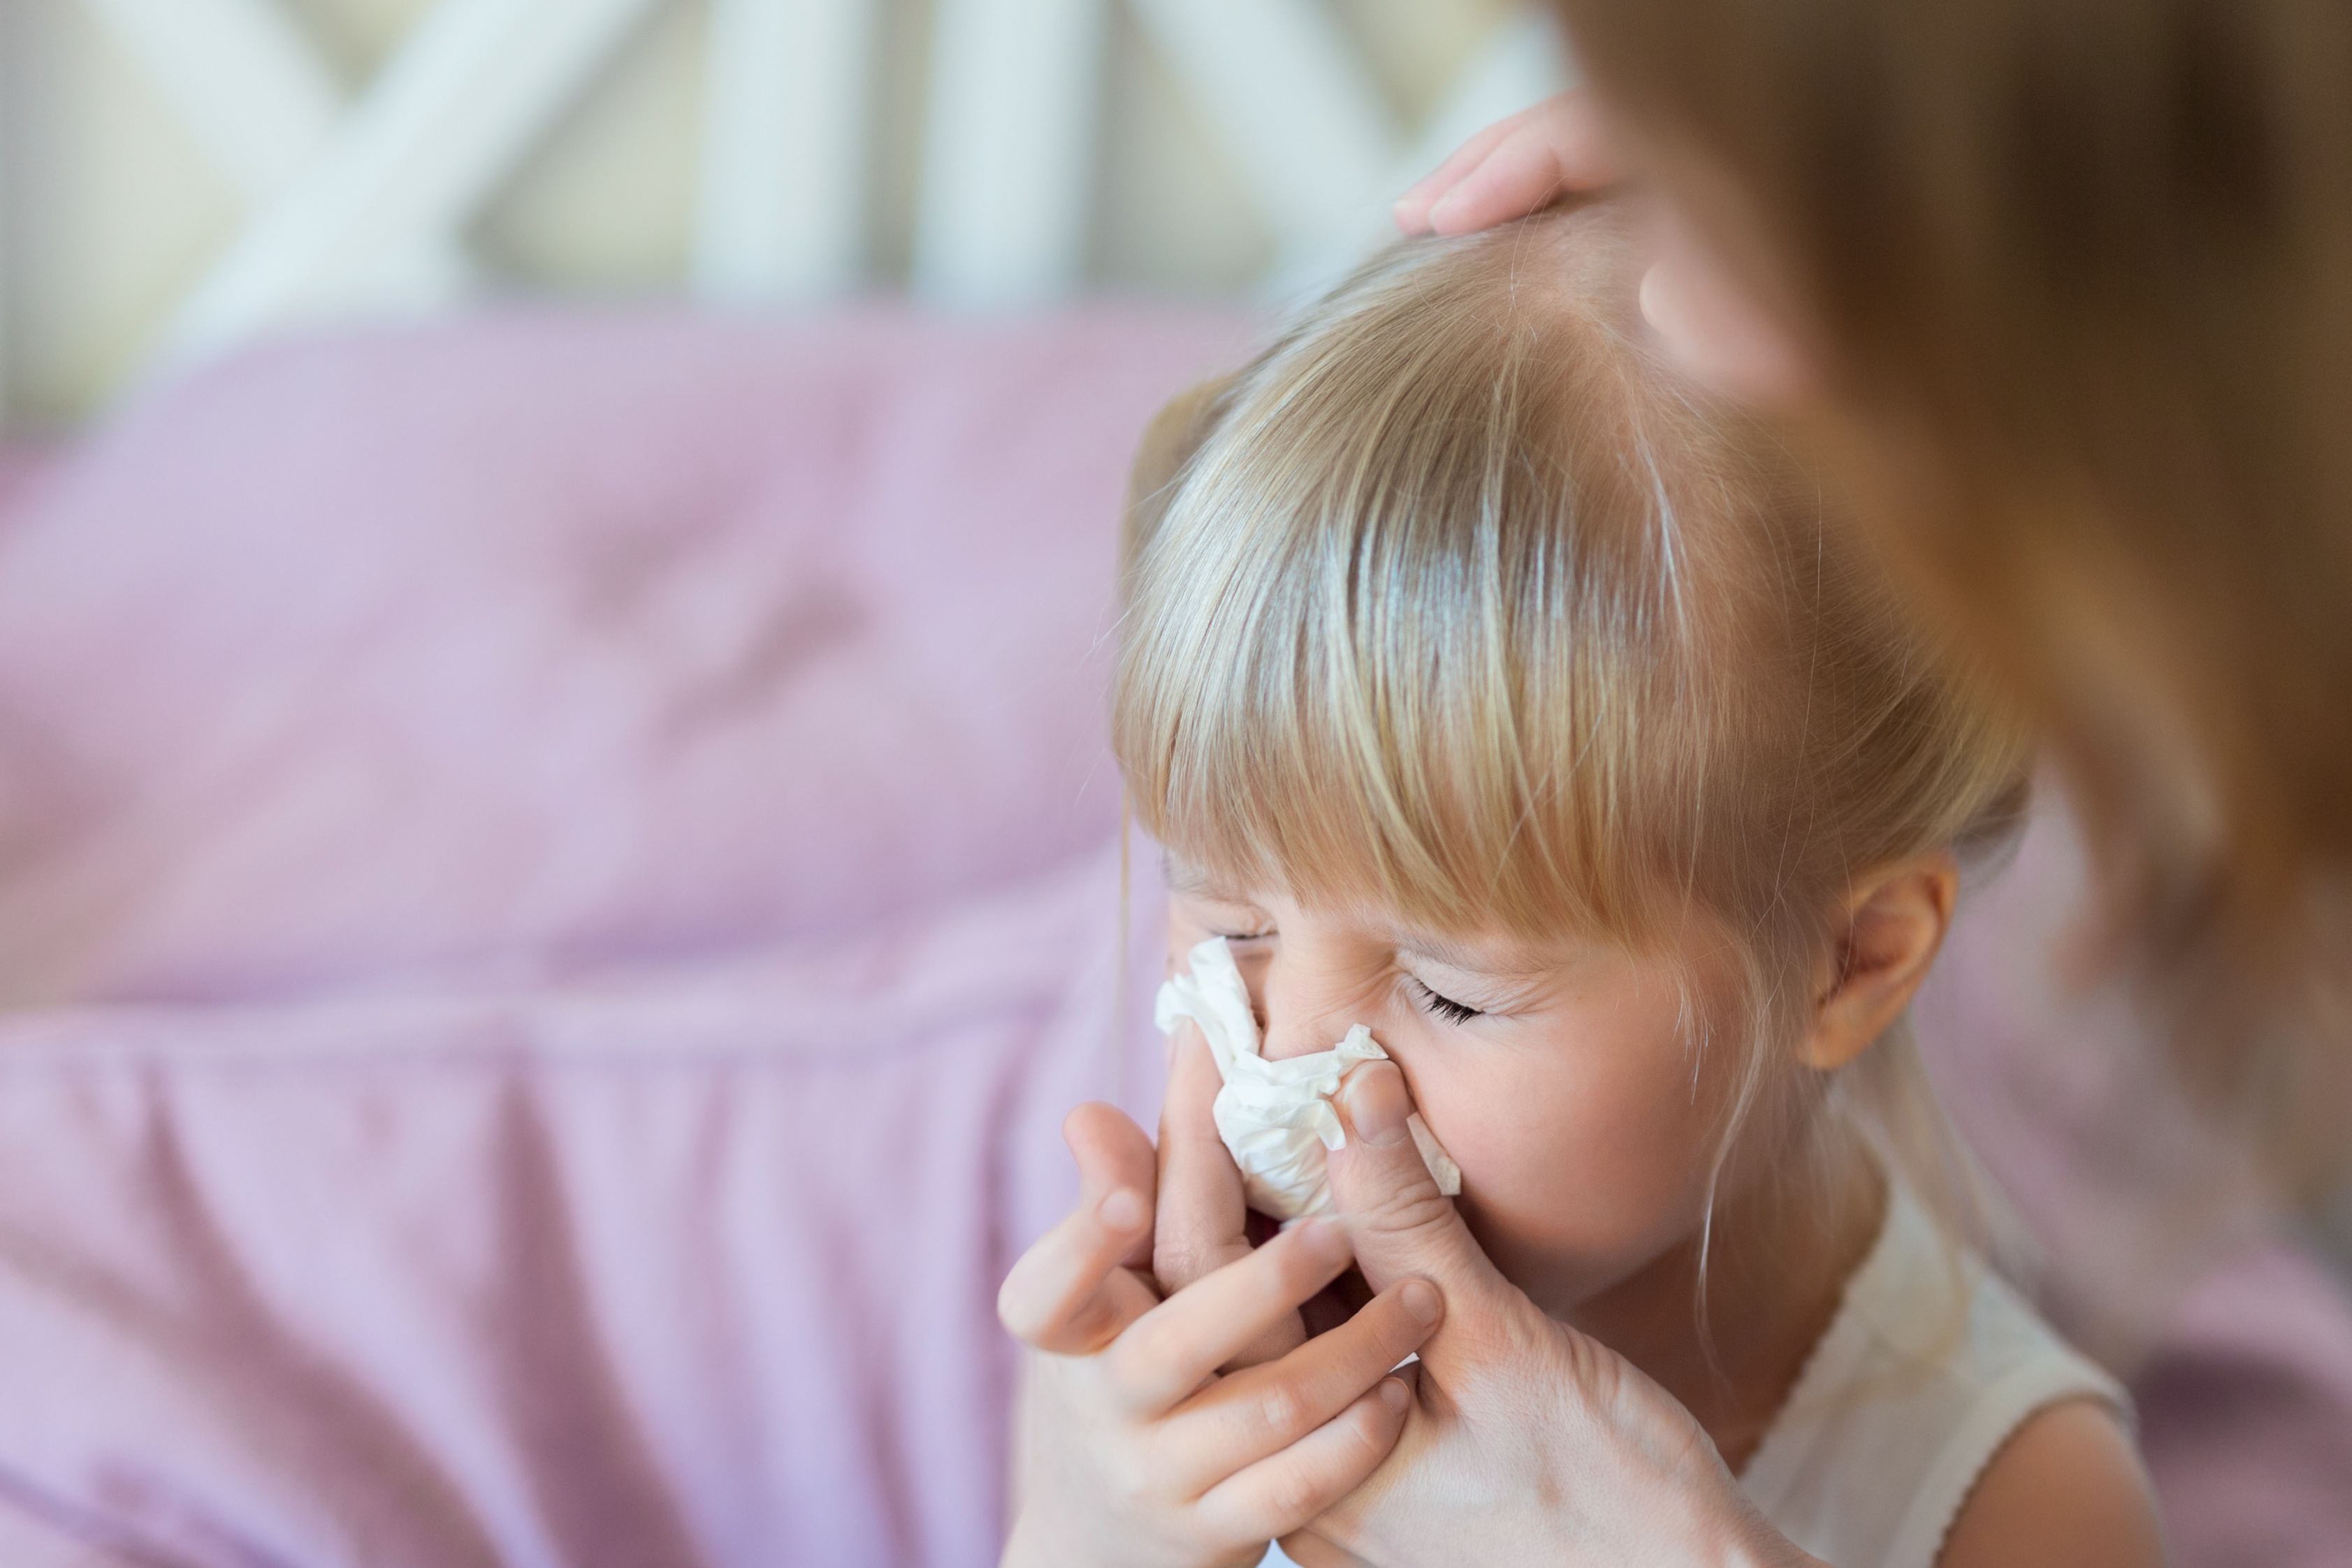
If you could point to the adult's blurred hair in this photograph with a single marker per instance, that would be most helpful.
(2077, 275)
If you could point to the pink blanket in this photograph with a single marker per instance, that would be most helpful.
(562, 874)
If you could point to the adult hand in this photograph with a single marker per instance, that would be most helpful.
(1515, 167)
(1132, 1446)
(1706, 317)
(1526, 1441)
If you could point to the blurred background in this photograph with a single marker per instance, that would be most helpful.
(556, 854)
(184, 176)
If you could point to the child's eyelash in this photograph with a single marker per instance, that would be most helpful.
(1445, 1008)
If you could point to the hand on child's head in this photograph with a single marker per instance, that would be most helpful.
(1702, 309)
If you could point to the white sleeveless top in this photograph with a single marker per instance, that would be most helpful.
(1904, 1400)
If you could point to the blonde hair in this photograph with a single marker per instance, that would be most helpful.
(1456, 601)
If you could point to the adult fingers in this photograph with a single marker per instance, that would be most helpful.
(1249, 1414)
(1400, 1225)
(1280, 1493)
(1515, 167)
(1199, 1225)
(1171, 1350)
(1411, 209)
(1520, 176)
(1112, 1152)
(1070, 1294)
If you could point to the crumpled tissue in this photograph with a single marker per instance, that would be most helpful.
(1276, 1117)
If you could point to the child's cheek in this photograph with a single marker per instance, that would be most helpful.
(1487, 1141)
(1569, 1181)
(1480, 1128)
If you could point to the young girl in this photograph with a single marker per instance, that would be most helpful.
(1491, 689)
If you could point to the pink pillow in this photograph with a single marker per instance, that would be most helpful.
(537, 640)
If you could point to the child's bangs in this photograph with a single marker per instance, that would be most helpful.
(1301, 749)
(1385, 645)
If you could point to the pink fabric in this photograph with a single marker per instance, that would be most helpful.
(561, 874)
(2246, 1412)
(581, 860)
(24, 465)
(533, 642)
(695, 1266)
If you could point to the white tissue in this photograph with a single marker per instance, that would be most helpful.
(1277, 1116)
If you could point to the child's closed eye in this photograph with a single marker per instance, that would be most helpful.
(1445, 1007)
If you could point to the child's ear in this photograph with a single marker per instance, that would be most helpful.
(1895, 922)
(1175, 433)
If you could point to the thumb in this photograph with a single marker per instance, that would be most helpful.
(1399, 1223)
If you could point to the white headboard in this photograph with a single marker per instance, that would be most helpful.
(358, 200)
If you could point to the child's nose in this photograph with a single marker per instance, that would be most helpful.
(1282, 1042)
(1298, 1025)
(1296, 1001)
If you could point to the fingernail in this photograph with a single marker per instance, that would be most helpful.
(1394, 1393)
(1378, 1104)
(1123, 1210)
(1421, 1299)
